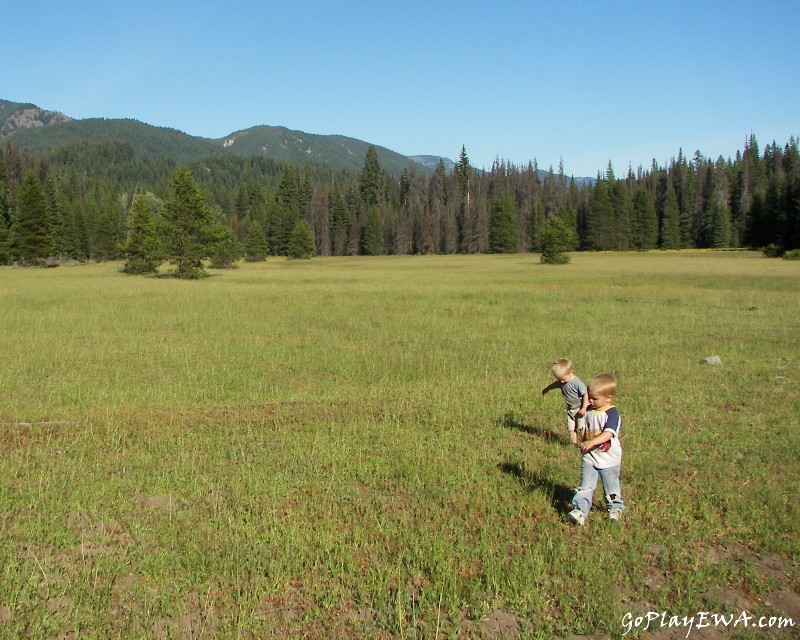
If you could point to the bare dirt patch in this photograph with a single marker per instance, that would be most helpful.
(98, 537)
(165, 502)
(501, 624)
(771, 567)
(722, 599)
(200, 619)
(785, 602)
(498, 625)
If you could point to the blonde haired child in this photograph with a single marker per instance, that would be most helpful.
(602, 452)
(574, 392)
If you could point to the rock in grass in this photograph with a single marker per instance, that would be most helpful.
(711, 360)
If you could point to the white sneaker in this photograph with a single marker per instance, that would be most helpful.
(614, 515)
(577, 517)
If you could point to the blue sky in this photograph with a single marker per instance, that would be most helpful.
(580, 82)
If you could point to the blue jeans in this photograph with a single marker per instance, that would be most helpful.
(589, 474)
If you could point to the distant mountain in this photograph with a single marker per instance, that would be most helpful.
(34, 130)
(432, 162)
(15, 116)
(143, 138)
(299, 147)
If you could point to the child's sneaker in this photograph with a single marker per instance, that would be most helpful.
(576, 517)
(614, 515)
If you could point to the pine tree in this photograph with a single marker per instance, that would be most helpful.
(503, 230)
(437, 207)
(555, 238)
(288, 192)
(6, 256)
(55, 209)
(305, 192)
(644, 234)
(355, 232)
(537, 220)
(301, 242)
(339, 222)
(69, 232)
(5, 195)
(82, 244)
(104, 238)
(190, 228)
(791, 195)
(719, 218)
(142, 249)
(702, 222)
(599, 219)
(623, 215)
(670, 222)
(288, 200)
(687, 211)
(466, 217)
(225, 248)
(371, 184)
(372, 233)
(244, 199)
(32, 233)
(463, 175)
(255, 243)
(757, 232)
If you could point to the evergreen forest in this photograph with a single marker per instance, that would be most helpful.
(102, 200)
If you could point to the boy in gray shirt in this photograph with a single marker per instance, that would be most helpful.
(574, 392)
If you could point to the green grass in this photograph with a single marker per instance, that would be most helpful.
(357, 447)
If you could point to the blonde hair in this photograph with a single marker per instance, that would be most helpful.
(562, 367)
(603, 384)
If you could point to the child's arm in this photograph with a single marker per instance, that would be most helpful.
(550, 387)
(605, 436)
(584, 406)
(610, 430)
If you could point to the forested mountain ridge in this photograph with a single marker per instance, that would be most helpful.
(144, 139)
(35, 130)
(15, 116)
(78, 201)
(335, 151)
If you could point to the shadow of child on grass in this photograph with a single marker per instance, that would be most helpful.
(560, 495)
(510, 421)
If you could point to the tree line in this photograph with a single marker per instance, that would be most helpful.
(89, 200)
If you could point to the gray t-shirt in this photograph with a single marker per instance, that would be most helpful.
(573, 392)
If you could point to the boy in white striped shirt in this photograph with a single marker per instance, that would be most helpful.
(602, 452)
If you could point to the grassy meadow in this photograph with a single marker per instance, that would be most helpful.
(358, 447)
